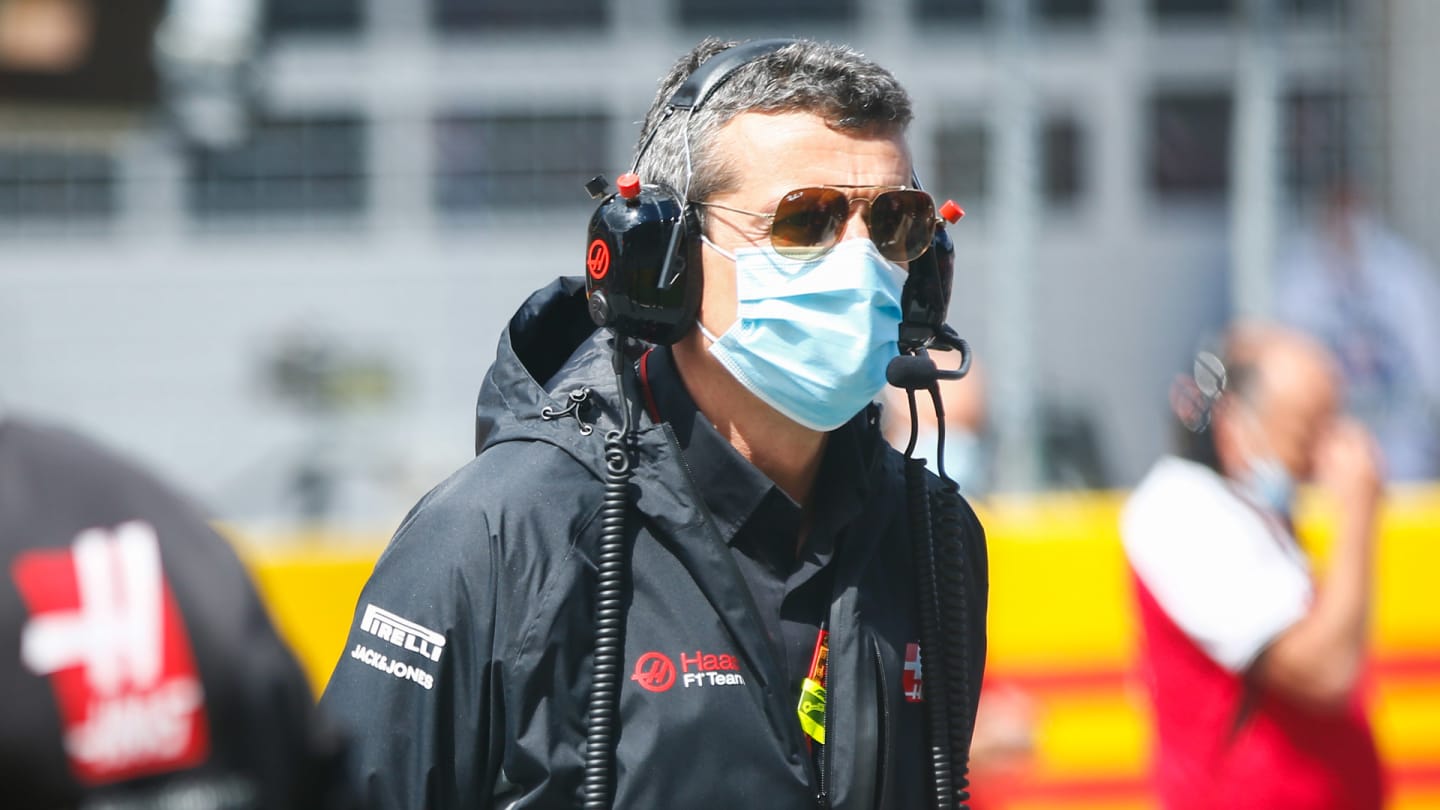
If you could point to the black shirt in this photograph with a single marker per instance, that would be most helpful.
(790, 581)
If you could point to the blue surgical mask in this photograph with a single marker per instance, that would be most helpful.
(1266, 479)
(812, 338)
(1271, 484)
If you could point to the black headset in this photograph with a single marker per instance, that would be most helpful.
(638, 274)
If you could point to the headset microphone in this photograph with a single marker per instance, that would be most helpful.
(925, 299)
(916, 371)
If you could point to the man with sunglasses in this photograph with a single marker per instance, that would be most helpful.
(770, 628)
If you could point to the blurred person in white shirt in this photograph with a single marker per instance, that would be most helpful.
(1255, 668)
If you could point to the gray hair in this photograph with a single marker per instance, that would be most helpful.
(839, 84)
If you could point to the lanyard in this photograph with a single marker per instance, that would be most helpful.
(812, 690)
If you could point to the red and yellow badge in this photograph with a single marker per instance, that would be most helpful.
(812, 691)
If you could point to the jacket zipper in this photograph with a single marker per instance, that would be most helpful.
(885, 731)
(822, 799)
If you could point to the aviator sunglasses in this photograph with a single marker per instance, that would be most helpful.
(808, 222)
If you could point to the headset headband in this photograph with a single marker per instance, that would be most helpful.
(706, 79)
(718, 69)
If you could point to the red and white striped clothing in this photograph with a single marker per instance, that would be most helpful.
(1217, 580)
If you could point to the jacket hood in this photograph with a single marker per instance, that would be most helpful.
(553, 378)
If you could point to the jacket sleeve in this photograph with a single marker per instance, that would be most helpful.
(978, 576)
(415, 684)
(974, 585)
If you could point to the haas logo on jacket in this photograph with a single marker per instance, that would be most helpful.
(105, 628)
(655, 671)
(913, 679)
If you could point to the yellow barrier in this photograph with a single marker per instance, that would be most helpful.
(1061, 630)
(1061, 627)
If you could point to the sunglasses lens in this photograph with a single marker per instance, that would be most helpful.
(902, 224)
(808, 222)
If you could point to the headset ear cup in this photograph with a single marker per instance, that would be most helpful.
(637, 274)
(925, 299)
(944, 249)
(693, 278)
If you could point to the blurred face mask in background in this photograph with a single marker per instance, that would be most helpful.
(1270, 484)
(1266, 479)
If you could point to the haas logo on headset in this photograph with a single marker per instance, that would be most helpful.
(597, 259)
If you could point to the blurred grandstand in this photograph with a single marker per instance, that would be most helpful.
(267, 246)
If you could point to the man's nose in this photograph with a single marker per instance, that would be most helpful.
(857, 222)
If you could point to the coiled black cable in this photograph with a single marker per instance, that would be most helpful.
(602, 718)
(938, 542)
(937, 713)
(947, 537)
(951, 567)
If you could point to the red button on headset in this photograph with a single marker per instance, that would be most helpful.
(629, 185)
(951, 212)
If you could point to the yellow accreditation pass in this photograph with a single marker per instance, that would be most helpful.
(812, 691)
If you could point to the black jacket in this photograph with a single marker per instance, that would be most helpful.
(468, 666)
(179, 692)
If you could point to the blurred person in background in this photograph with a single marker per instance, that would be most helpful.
(140, 670)
(1254, 669)
(767, 520)
(1373, 299)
